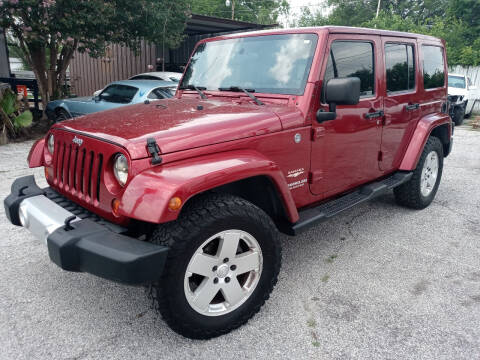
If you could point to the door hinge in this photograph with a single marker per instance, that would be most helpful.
(318, 132)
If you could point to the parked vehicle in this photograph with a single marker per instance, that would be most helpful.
(462, 96)
(159, 75)
(154, 75)
(269, 131)
(114, 95)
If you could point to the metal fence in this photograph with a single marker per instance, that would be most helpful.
(88, 74)
(473, 72)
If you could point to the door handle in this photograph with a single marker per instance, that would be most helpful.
(412, 107)
(375, 114)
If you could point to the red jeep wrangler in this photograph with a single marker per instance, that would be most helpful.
(272, 130)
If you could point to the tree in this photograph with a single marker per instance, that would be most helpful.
(455, 21)
(258, 11)
(49, 32)
(454, 31)
(469, 12)
(356, 13)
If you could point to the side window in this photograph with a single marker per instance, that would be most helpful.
(118, 93)
(400, 66)
(433, 67)
(156, 94)
(352, 58)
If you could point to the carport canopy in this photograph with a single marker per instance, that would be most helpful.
(201, 24)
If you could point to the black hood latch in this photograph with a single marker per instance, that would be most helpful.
(154, 150)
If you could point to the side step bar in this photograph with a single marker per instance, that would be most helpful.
(326, 210)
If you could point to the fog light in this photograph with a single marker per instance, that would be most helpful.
(115, 207)
(175, 203)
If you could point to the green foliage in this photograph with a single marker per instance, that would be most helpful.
(258, 11)
(23, 120)
(13, 118)
(55, 29)
(454, 31)
(455, 21)
(8, 103)
(93, 23)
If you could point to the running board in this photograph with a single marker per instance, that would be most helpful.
(326, 210)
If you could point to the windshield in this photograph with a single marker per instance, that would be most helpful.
(118, 93)
(456, 81)
(276, 64)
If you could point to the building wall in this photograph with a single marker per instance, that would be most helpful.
(4, 64)
(88, 74)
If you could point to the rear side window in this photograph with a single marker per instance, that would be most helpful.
(400, 66)
(433, 67)
(352, 58)
(162, 93)
(145, 77)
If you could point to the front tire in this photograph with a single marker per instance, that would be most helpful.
(223, 263)
(420, 190)
(61, 115)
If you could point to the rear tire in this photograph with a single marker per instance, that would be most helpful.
(198, 264)
(420, 190)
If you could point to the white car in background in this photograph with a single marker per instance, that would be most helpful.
(462, 95)
(153, 75)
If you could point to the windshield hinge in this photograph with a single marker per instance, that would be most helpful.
(154, 150)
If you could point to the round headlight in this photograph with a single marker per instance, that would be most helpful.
(120, 169)
(51, 143)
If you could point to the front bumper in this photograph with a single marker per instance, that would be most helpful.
(81, 244)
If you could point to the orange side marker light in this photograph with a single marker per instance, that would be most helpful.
(175, 203)
(115, 207)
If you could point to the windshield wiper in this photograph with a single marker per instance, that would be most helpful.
(197, 89)
(246, 91)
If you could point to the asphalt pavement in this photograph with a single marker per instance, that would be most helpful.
(378, 281)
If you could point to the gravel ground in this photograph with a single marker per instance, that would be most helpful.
(378, 281)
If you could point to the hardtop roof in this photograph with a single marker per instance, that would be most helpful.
(333, 30)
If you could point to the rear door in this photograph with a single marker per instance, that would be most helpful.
(345, 150)
(401, 102)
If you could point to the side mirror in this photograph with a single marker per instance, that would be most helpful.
(96, 98)
(339, 91)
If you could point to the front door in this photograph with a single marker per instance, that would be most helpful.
(345, 151)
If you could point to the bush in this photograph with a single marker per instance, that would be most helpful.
(14, 115)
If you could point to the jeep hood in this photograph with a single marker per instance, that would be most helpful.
(176, 124)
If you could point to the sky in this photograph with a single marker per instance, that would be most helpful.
(296, 5)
